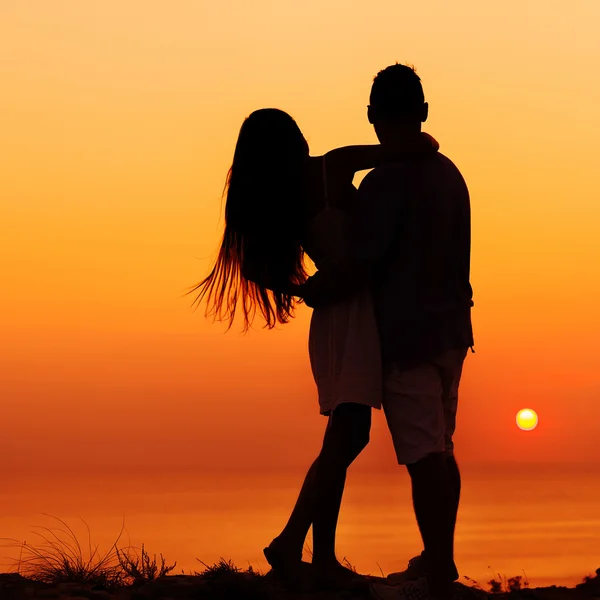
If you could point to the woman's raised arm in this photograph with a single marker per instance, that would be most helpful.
(342, 163)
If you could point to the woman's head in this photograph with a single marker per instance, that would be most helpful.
(264, 208)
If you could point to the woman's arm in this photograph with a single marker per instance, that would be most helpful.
(260, 279)
(342, 163)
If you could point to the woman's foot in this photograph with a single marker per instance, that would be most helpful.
(287, 566)
(281, 555)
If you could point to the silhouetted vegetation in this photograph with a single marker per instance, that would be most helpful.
(140, 569)
(60, 559)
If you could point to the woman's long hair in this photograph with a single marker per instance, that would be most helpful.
(260, 251)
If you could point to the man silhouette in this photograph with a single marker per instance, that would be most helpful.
(410, 239)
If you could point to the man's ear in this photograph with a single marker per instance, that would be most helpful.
(425, 112)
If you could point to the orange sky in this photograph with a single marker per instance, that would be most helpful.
(118, 125)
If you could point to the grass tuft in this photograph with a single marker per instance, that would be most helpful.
(60, 558)
(502, 585)
(140, 569)
(218, 569)
(225, 581)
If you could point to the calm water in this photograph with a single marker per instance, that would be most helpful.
(544, 522)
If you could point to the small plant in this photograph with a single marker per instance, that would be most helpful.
(592, 578)
(252, 571)
(224, 581)
(473, 583)
(516, 584)
(21, 557)
(223, 567)
(348, 565)
(504, 585)
(496, 586)
(140, 569)
(60, 559)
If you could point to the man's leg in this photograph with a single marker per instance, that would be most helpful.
(435, 505)
(417, 564)
(319, 500)
(415, 411)
(451, 367)
(455, 478)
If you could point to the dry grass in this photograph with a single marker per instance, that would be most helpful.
(140, 569)
(60, 558)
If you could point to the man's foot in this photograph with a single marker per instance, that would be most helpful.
(333, 575)
(411, 590)
(416, 569)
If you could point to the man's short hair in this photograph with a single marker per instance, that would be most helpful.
(397, 91)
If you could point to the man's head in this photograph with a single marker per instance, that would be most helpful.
(397, 103)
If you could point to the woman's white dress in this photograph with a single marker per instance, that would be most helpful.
(344, 348)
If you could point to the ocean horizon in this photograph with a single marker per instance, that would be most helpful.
(537, 521)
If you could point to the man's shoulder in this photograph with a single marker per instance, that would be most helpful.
(446, 161)
(452, 174)
(448, 164)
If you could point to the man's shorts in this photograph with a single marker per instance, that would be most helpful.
(420, 406)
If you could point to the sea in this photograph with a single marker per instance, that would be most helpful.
(540, 522)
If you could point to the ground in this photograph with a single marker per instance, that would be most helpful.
(248, 586)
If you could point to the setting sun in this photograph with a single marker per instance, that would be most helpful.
(527, 419)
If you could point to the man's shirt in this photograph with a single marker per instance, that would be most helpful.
(412, 224)
(410, 242)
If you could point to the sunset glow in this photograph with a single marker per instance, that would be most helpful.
(119, 122)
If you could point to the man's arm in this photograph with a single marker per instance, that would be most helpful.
(371, 227)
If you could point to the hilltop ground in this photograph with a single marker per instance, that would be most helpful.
(224, 582)
(59, 570)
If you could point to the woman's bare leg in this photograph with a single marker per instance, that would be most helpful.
(290, 541)
(345, 438)
(320, 498)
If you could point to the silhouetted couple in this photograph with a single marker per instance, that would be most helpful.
(391, 324)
